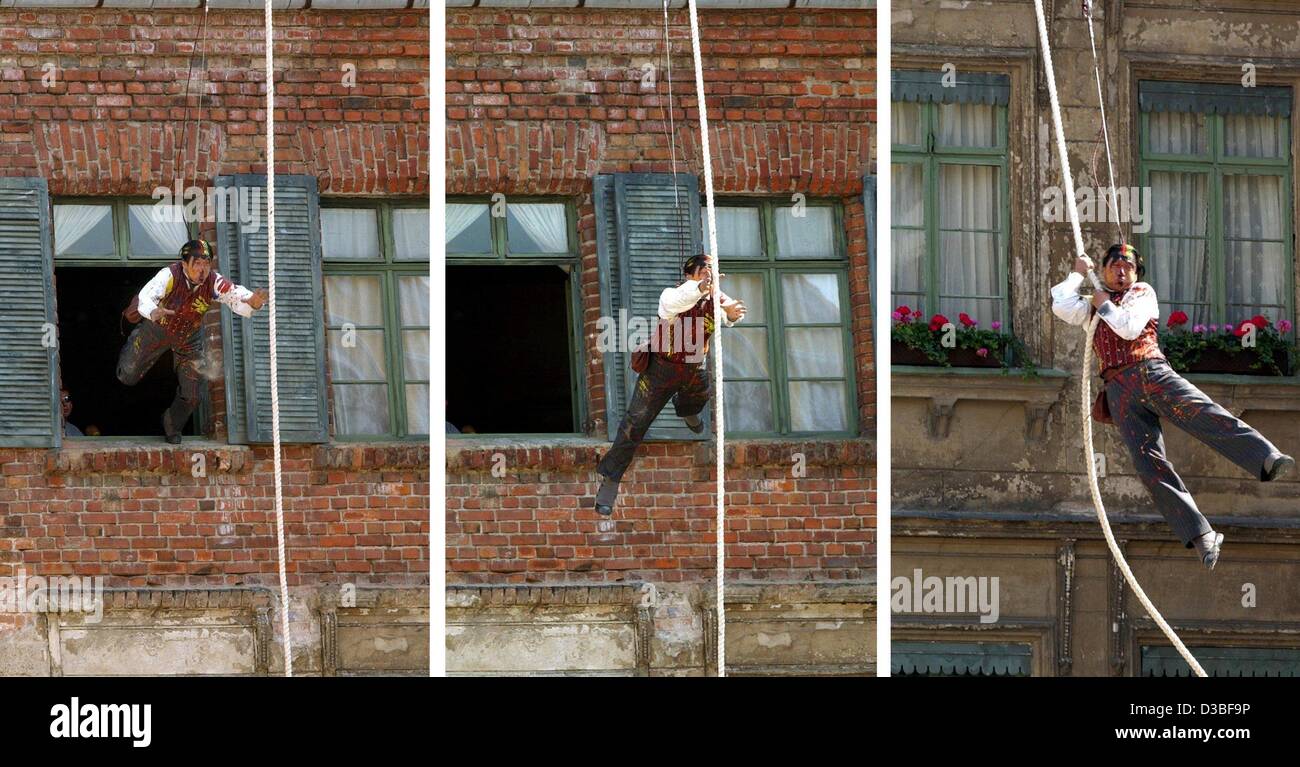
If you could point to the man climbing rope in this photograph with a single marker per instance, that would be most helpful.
(675, 366)
(1141, 388)
(174, 302)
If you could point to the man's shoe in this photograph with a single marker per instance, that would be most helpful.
(606, 496)
(173, 437)
(694, 423)
(604, 510)
(1208, 547)
(1282, 463)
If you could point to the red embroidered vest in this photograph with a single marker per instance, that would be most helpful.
(1115, 352)
(685, 338)
(189, 303)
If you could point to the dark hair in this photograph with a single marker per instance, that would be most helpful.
(694, 262)
(1128, 253)
(196, 249)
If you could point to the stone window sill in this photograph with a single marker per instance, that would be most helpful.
(478, 454)
(944, 387)
(1239, 393)
(100, 456)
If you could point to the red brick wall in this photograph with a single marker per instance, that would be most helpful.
(112, 124)
(539, 102)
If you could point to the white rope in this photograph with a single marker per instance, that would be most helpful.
(275, 382)
(720, 457)
(1085, 401)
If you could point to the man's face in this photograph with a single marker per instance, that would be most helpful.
(197, 269)
(702, 271)
(66, 400)
(1119, 274)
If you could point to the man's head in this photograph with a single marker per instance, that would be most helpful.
(696, 267)
(65, 399)
(1121, 267)
(196, 260)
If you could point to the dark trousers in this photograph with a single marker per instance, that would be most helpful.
(1148, 391)
(687, 384)
(143, 348)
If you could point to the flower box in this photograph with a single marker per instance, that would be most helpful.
(1220, 349)
(901, 354)
(915, 340)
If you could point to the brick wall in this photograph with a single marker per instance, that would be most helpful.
(539, 102)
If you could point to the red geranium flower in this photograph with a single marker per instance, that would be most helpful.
(906, 311)
(965, 319)
(1176, 319)
(938, 321)
(1259, 321)
(1242, 329)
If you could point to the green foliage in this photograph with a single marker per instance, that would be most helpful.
(1184, 348)
(912, 330)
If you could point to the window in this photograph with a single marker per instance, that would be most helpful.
(959, 659)
(787, 367)
(376, 271)
(512, 297)
(1217, 159)
(105, 250)
(949, 176)
(1223, 661)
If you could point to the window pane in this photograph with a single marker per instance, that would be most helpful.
(417, 408)
(968, 125)
(738, 232)
(811, 235)
(353, 298)
(360, 409)
(413, 300)
(357, 355)
(814, 352)
(469, 229)
(909, 260)
(1256, 275)
(157, 231)
(415, 355)
(349, 233)
(536, 228)
(411, 234)
(749, 406)
(908, 121)
(818, 406)
(84, 230)
(908, 181)
(748, 289)
(1252, 207)
(1254, 136)
(1176, 133)
(969, 197)
(1179, 270)
(807, 298)
(1179, 204)
(968, 265)
(745, 353)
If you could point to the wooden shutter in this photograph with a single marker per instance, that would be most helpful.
(300, 315)
(30, 415)
(643, 234)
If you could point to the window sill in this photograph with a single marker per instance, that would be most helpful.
(944, 387)
(371, 455)
(1239, 393)
(568, 452)
(115, 456)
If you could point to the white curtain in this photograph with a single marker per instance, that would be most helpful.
(749, 403)
(1255, 270)
(908, 202)
(164, 225)
(969, 201)
(72, 222)
(1176, 133)
(1180, 266)
(968, 125)
(349, 233)
(460, 216)
(544, 223)
(818, 406)
(358, 408)
(905, 118)
(411, 234)
(738, 232)
(811, 235)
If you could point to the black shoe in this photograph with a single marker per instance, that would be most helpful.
(172, 438)
(697, 426)
(1282, 463)
(604, 510)
(1210, 553)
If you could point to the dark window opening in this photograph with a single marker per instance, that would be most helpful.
(509, 355)
(92, 332)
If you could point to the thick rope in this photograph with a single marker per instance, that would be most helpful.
(717, 341)
(1085, 375)
(275, 382)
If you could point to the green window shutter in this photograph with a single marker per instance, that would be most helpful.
(959, 659)
(643, 236)
(965, 88)
(1214, 98)
(299, 309)
(1223, 661)
(869, 215)
(30, 415)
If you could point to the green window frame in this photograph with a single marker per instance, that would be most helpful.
(771, 266)
(121, 234)
(924, 91)
(569, 260)
(1215, 104)
(389, 270)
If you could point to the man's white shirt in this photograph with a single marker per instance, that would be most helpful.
(674, 301)
(1128, 318)
(156, 289)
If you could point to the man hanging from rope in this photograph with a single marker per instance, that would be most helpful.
(174, 303)
(674, 366)
(1141, 388)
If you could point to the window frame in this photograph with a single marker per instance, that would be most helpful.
(1212, 164)
(771, 267)
(930, 156)
(570, 261)
(390, 270)
(121, 232)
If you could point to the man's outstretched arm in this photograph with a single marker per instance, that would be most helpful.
(240, 299)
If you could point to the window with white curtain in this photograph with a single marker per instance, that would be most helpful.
(92, 230)
(786, 367)
(949, 192)
(376, 271)
(513, 228)
(1217, 159)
